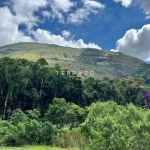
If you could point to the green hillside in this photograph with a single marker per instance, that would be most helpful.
(103, 63)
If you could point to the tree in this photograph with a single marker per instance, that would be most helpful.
(74, 115)
(11, 76)
(49, 133)
(33, 130)
(56, 111)
(130, 90)
(18, 116)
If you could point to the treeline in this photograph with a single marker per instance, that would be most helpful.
(33, 85)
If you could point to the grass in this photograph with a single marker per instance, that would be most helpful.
(34, 148)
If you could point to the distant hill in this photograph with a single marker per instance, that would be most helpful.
(103, 63)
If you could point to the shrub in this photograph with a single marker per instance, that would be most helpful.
(113, 127)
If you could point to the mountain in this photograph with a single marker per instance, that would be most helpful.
(85, 60)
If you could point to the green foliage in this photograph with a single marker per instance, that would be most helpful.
(131, 90)
(25, 129)
(74, 115)
(33, 114)
(18, 116)
(33, 85)
(57, 111)
(49, 133)
(110, 126)
(33, 131)
(11, 134)
(48, 107)
(123, 91)
(10, 79)
(62, 113)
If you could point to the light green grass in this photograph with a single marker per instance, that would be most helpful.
(33, 148)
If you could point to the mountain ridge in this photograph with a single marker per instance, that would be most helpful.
(103, 63)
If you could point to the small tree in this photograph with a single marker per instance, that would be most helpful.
(18, 116)
(56, 111)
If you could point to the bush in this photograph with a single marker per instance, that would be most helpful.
(70, 139)
(11, 135)
(49, 133)
(21, 130)
(113, 127)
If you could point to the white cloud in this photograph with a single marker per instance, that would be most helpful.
(64, 5)
(145, 5)
(20, 12)
(43, 36)
(62, 8)
(92, 4)
(24, 11)
(46, 13)
(59, 7)
(66, 34)
(136, 43)
(82, 14)
(27, 7)
(125, 3)
(9, 32)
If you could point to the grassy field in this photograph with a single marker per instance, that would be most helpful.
(34, 148)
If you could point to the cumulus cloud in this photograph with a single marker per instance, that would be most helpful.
(43, 36)
(9, 32)
(125, 3)
(23, 12)
(136, 43)
(82, 14)
(18, 12)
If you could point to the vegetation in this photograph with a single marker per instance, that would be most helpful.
(52, 106)
(33, 85)
(111, 126)
(32, 148)
(103, 63)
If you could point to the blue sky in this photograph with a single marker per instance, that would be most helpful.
(116, 25)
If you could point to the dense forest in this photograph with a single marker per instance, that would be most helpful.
(54, 106)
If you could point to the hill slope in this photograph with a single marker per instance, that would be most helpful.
(103, 63)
